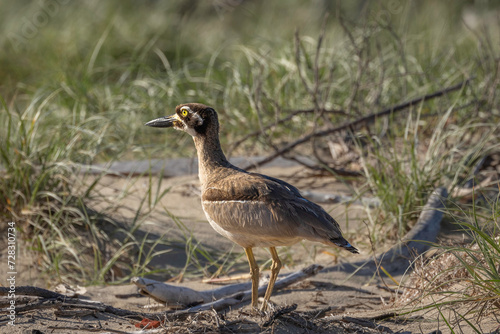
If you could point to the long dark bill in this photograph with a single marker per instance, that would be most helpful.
(162, 122)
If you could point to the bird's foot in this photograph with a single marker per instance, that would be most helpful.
(268, 306)
(257, 312)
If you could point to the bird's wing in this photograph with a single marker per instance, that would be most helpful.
(261, 205)
(282, 183)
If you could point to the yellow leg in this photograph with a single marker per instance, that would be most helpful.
(254, 274)
(275, 269)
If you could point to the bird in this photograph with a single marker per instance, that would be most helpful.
(250, 209)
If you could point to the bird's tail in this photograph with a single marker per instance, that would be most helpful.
(341, 242)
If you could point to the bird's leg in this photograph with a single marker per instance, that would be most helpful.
(275, 269)
(254, 274)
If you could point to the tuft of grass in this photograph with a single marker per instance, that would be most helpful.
(403, 171)
(481, 260)
(43, 190)
(463, 280)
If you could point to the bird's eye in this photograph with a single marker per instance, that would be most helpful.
(184, 112)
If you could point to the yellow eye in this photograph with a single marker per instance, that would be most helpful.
(184, 112)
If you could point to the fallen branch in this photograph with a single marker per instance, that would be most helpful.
(416, 241)
(356, 122)
(32, 291)
(78, 303)
(425, 231)
(217, 299)
(291, 114)
(51, 299)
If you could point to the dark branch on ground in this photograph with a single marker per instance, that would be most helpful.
(357, 122)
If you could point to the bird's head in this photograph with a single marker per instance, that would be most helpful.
(193, 118)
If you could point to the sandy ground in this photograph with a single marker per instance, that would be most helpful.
(344, 292)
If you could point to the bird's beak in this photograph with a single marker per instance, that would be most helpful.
(163, 122)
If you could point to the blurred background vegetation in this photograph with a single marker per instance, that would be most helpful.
(78, 79)
(126, 61)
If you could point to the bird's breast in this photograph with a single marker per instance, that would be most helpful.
(250, 223)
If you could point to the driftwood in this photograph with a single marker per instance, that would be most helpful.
(416, 241)
(219, 298)
(425, 231)
(357, 122)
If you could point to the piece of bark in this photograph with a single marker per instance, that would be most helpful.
(171, 295)
(70, 291)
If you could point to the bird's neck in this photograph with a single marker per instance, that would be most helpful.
(210, 155)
